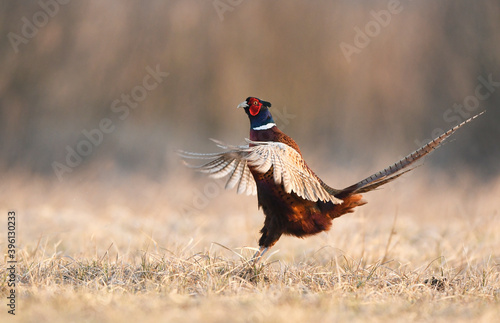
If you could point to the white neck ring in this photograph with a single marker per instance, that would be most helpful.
(265, 127)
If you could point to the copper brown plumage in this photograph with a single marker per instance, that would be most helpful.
(294, 199)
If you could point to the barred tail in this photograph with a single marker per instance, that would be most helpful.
(399, 168)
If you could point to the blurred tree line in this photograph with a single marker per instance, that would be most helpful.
(410, 72)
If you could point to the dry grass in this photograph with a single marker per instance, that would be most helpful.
(95, 253)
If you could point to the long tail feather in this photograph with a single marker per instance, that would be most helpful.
(399, 168)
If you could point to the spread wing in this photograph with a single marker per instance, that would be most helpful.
(230, 162)
(289, 168)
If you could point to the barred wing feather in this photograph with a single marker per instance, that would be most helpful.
(289, 169)
(287, 164)
(223, 164)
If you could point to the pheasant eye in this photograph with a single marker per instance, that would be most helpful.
(255, 103)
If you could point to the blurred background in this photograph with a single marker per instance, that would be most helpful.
(358, 84)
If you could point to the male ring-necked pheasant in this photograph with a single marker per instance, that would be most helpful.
(294, 200)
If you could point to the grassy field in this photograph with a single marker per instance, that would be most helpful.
(107, 249)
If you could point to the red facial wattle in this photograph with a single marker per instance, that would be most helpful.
(254, 106)
(254, 109)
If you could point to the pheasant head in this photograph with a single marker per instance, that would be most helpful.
(258, 113)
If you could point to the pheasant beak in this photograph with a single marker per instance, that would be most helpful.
(243, 104)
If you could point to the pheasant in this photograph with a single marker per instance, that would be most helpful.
(295, 201)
